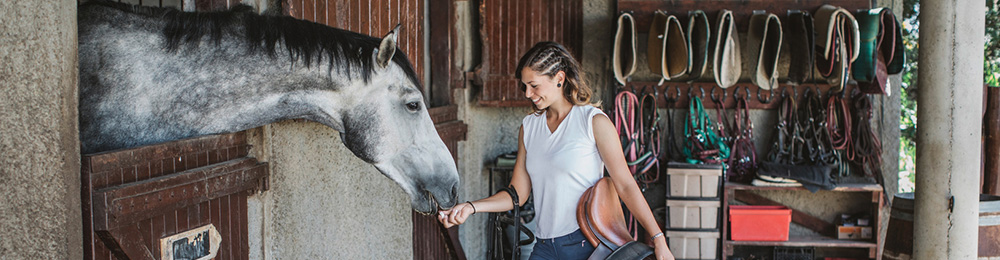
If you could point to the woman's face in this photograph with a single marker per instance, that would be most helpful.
(542, 90)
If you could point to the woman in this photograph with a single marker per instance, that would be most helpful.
(559, 156)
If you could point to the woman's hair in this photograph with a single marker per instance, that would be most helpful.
(549, 58)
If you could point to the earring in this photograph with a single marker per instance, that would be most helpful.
(559, 85)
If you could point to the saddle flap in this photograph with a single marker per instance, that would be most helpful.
(604, 214)
(581, 219)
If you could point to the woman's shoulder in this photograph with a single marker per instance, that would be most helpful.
(590, 110)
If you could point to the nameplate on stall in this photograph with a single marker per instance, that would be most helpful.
(201, 243)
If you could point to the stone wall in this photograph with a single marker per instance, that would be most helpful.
(39, 146)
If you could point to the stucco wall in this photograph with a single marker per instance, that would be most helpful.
(323, 202)
(39, 148)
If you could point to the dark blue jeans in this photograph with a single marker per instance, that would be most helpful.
(568, 247)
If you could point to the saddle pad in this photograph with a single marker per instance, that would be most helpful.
(672, 59)
(726, 59)
(764, 43)
(801, 38)
(698, 38)
(880, 33)
(623, 55)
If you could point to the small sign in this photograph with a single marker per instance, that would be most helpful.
(201, 243)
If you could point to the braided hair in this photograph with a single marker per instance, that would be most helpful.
(549, 58)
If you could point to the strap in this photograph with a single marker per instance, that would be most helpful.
(837, 44)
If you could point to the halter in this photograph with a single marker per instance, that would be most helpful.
(743, 159)
(703, 144)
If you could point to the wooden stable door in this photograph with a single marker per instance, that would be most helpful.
(134, 200)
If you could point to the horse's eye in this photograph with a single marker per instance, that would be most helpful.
(413, 106)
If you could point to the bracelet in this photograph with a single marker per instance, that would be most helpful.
(473, 207)
(656, 236)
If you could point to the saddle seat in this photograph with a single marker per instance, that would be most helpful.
(602, 222)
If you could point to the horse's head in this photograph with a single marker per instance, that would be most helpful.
(389, 127)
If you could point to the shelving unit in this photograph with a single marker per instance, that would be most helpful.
(737, 191)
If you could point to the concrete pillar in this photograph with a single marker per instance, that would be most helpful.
(39, 145)
(949, 133)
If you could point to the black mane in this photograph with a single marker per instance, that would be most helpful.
(302, 39)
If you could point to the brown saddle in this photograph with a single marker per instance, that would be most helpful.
(602, 222)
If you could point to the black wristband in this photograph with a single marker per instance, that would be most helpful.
(473, 207)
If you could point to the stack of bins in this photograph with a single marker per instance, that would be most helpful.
(693, 208)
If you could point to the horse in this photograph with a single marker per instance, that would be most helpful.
(151, 75)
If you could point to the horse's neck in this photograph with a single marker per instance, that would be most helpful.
(288, 92)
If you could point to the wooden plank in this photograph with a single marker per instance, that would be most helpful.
(157, 225)
(808, 241)
(169, 223)
(681, 91)
(802, 218)
(853, 187)
(321, 13)
(643, 10)
(126, 243)
(133, 202)
(225, 250)
(443, 113)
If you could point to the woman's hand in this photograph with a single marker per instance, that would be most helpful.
(456, 215)
(661, 250)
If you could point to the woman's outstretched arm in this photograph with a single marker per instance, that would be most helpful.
(611, 152)
(497, 202)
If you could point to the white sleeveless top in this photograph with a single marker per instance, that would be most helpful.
(562, 165)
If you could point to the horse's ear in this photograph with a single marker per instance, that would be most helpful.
(388, 47)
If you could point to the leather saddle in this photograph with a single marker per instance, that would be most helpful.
(837, 44)
(881, 50)
(623, 55)
(667, 47)
(602, 222)
(726, 61)
(764, 44)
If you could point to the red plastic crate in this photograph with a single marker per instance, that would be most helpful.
(759, 223)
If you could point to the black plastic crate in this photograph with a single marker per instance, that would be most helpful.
(793, 253)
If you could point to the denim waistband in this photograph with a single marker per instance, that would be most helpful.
(575, 236)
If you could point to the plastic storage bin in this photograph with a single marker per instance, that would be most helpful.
(694, 180)
(693, 244)
(701, 214)
(759, 223)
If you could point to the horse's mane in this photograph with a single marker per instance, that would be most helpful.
(304, 40)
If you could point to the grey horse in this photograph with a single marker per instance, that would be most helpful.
(151, 75)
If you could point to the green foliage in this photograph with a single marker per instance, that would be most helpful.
(908, 113)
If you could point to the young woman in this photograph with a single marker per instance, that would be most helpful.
(563, 149)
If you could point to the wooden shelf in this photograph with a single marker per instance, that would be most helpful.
(859, 187)
(739, 191)
(810, 241)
